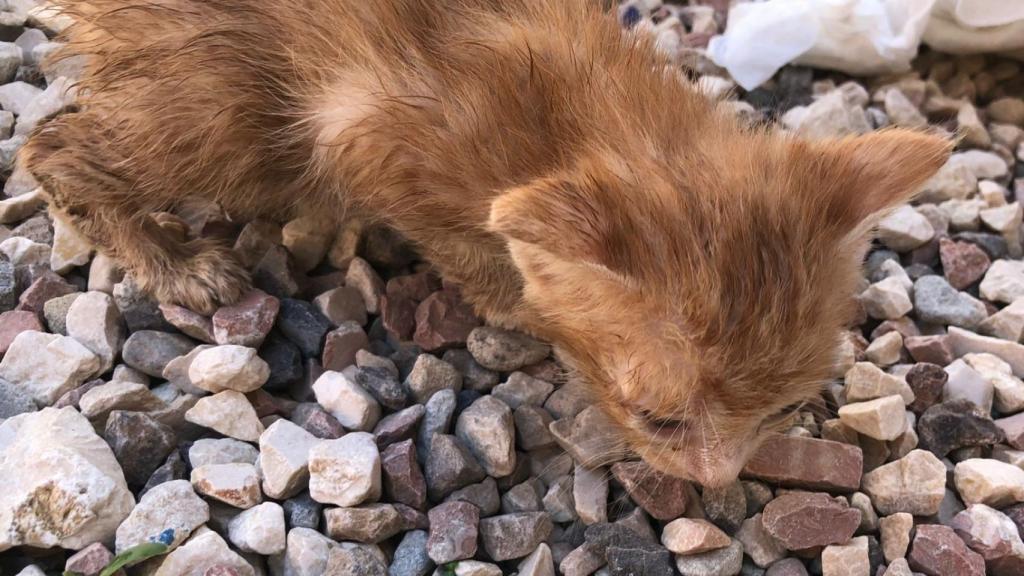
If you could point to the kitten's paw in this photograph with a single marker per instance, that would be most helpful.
(212, 277)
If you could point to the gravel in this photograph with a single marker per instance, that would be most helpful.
(351, 415)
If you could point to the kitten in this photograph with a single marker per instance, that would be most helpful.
(695, 273)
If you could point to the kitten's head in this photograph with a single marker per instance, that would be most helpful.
(703, 298)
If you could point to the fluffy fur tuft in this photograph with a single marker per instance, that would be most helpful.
(695, 273)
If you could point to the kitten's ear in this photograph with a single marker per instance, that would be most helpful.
(878, 171)
(574, 220)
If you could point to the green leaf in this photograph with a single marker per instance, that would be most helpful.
(134, 555)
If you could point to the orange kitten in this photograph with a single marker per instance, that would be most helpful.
(694, 272)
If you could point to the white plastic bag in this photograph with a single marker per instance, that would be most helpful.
(860, 37)
(977, 26)
(854, 36)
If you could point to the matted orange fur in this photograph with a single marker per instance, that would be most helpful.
(694, 272)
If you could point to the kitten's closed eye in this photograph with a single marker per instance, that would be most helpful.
(663, 427)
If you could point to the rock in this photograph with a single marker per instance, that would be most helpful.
(301, 323)
(967, 384)
(362, 277)
(307, 238)
(384, 387)
(346, 471)
(663, 497)
(994, 536)
(635, 561)
(763, 548)
(259, 529)
(285, 362)
(914, 484)
(358, 559)
(140, 444)
(831, 116)
(104, 274)
(149, 351)
(521, 389)
(236, 484)
(885, 350)
(849, 559)
(411, 557)
(905, 229)
(991, 482)
(353, 406)
(95, 322)
(538, 563)
(801, 520)
(787, 567)
(937, 302)
(1004, 281)
(514, 535)
(201, 555)
(503, 350)
(965, 342)
(437, 418)
(476, 568)
(483, 495)
(302, 512)
(343, 304)
(228, 367)
(558, 500)
(55, 312)
(274, 273)
(927, 381)
(865, 381)
(24, 252)
(47, 365)
(89, 561)
(1004, 219)
(722, 562)
(963, 264)
(590, 495)
(170, 506)
(284, 459)
(430, 375)
(403, 479)
(317, 421)
(369, 523)
(190, 323)
(807, 463)
(725, 506)
(229, 413)
(587, 437)
(398, 426)
(62, 485)
(486, 428)
(14, 322)
(99, 401)
(14, 400)
(895, 532)
(937, 550)
(449, 466)
(881, 419)
(929, 349)
(208, 451)
(902, 113)
(1007, 324)
(247, 322)
(443, 320)
(685, 536)
(1007, 110)
(956, 424)
(453, 532)
(70, 248)
(342, 344)
(20, 207)
(523, 497)
(140, 312)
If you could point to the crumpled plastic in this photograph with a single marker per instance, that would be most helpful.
(860, 37)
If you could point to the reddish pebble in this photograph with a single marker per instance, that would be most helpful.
(812, 463)
(14, 322)
(963, 263)
(933, 349)
(247, 322)
(663, 497)
(938, 551)
(190, 323)
(801, 520)
(443, 320)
